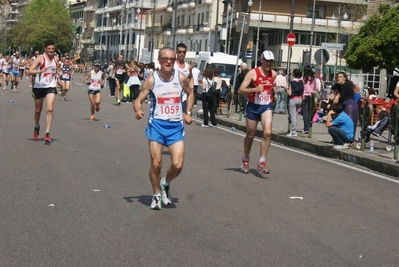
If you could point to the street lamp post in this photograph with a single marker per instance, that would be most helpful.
(152, 33)
(257, 35)
(227, 28)
(141, 24)
(231, 10)
(216, 28)
(345, 17)
(311, 31)
(172, 8)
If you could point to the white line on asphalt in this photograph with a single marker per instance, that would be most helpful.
(369, 172)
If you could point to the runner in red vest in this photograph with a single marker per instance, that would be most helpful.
(259, 108)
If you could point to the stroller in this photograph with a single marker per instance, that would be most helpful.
(378, 128)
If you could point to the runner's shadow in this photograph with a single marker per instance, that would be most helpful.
(146, 201)
(251, 171)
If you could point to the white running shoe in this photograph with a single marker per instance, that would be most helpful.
(156, 203)
(165, 193)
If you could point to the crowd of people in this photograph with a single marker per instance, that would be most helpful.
(171, 91)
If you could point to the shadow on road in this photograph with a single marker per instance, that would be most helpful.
(254, 172)
(146, 201)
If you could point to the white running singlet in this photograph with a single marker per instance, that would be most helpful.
(186, 72)
(95, 80)
(167, 95)
(48, 78)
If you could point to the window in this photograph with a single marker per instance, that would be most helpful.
(320, 12)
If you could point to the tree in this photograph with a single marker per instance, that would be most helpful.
(377, 43)
(42, 20)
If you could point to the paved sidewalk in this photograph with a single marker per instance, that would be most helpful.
(320, 143)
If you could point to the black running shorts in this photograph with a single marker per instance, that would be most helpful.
(39, 93)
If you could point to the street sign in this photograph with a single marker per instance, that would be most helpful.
(291, 39)
(321, 56)
(243, 18)
(332, 46)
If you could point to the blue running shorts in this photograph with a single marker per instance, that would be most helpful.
(254, 111)
(16, 74)
(165, 132)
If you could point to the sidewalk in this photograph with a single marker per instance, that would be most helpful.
(380, 160)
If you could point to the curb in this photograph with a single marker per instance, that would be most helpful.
(385, 166)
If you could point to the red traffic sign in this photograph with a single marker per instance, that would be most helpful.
(291, 39)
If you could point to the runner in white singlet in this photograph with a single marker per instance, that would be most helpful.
(165, 122)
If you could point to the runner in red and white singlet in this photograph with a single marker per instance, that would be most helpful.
(259, 108)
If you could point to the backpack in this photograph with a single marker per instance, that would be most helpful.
(296, 88)
(212, 89)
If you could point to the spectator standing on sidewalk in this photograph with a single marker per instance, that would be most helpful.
(281, 83)
(208, 102)
(195, 72)
(309, 82)
(340, 128)
(259, 108)
(295, 92)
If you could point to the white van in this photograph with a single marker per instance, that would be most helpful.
(221, 61)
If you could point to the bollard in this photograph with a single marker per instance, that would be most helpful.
(229, 100)
(311, 105)
(241, 102)
(394, 113)
(365, 111)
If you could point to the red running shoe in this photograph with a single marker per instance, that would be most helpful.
(47, 138)
(245, 165)
(262, 168)
(97, 107)
(36, 133)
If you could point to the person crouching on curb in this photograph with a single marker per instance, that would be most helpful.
(95, 80)
(340, 128)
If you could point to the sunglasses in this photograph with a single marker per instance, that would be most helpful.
(166, 59)
(179, 51)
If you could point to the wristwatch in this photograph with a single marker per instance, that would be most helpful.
(188, 113)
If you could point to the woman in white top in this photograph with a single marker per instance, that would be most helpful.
(208, 103)
(95, 80)
(134, 81)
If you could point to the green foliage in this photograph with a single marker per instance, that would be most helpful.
(377, 43)
(42, 20)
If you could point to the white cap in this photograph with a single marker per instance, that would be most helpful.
(268, 55)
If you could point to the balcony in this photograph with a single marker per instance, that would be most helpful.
(282, 21)
(204, 27)
(167, 32)
(189, 29)
(181, 29)
(89, 8)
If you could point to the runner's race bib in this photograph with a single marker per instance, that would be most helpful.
(262, 98)
(168, 108)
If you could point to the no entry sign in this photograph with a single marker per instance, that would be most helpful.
(291, 39)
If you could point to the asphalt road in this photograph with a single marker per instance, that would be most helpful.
(84, 199)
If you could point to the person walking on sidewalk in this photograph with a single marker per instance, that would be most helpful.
(95, 79)
(259, 108)
(165, 122)
(45, 69)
